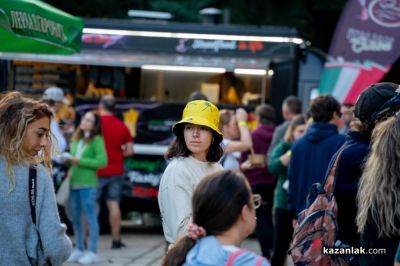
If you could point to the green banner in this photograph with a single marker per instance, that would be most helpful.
(32, 26)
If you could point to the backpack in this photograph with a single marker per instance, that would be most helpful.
(316, 228)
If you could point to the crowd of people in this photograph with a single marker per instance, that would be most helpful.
(297, 154)
(223, 181)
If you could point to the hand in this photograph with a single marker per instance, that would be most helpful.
(195, 232)
(246, 165)
(285, 159)
(74, 160)
(241, 114)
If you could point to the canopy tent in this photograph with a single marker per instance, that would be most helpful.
(32, 26)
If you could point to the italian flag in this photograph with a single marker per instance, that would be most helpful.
(346, 80)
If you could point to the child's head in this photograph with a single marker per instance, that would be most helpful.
(218, 202)
(221, 201)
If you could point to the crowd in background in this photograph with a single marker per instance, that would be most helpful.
(223, 180)
(296, 155)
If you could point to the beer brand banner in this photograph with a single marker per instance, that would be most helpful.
(32, 26)
(365, 45)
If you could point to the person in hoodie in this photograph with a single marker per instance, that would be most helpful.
(223, 216)
(261, 180)
(312, 153)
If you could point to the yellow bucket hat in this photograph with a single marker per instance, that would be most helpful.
(202, 113)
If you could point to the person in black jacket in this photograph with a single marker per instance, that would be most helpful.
(354, 156)
(378, 215)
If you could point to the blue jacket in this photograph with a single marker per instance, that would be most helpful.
(209, 252)
(310, 158)
(348, 174)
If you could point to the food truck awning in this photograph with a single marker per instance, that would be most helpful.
(118, 59)
(125, 43)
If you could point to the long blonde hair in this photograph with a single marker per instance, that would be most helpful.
(378, 196)
(16, 113)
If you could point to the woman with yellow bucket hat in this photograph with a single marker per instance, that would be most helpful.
(194, 153)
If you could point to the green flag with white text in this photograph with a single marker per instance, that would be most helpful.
(32, 26)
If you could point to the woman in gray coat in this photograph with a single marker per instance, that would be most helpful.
(25, 143)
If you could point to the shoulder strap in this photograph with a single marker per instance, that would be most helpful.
(32, 192)
(234, 255)
(32, 203)
(330, 180)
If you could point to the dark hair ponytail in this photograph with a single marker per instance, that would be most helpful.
(217, 203)
(176, 256)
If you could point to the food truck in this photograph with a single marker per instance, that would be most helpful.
(152, 68)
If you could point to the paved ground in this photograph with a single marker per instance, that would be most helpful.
(144, 248)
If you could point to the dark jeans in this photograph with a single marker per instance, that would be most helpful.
(264, 229)
(283, 231)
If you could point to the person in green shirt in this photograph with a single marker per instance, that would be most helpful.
(88, 154)
(278, 165)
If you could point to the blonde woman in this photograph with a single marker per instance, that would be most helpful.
(25, 141)
(378, 198)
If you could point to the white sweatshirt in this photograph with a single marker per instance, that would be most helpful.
(175, 193)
